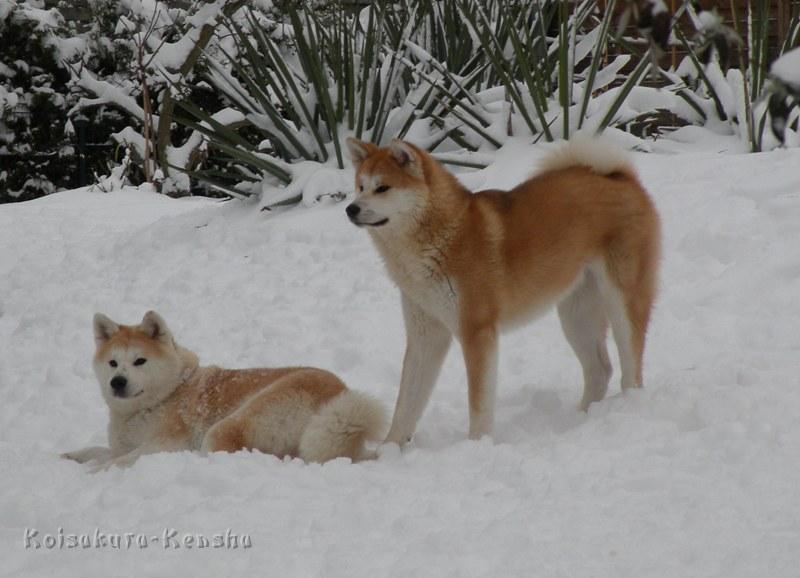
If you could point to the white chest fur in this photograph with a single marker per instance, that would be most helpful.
(420, 277)
(126, 433)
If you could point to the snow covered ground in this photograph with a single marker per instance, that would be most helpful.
(698, 475)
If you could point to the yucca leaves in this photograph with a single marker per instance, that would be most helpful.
(332, 77)
(487, 35)
(531, 75)
(758, 97)
(469, 69)
(227, 139)
(597, 55)
(711, 91)
(634, 78)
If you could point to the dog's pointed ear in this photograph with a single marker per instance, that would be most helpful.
(104, 328)
(408, 158)
(153, 325)
(359, 150)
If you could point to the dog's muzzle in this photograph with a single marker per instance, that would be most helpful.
(353, 211)
(119, 388)
(118, 385)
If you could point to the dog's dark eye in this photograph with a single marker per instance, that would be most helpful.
(382, 189)
(361, 188)
(140, 361)
(112, 363)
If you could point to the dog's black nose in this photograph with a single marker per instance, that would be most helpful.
(352, 210)
(118, 383)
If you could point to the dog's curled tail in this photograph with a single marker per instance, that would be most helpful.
(341, 426)
(596, 153)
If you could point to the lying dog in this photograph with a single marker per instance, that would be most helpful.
(581, 234)
(161, 400)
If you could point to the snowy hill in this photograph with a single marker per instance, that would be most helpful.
(696, 475)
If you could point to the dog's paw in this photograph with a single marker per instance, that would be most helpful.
(388, 451)
(367, 455)
(123, 461)
(87, 454)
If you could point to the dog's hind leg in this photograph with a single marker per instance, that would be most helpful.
(585, 324)
(227, 435)
(480, 348)
(272, 420)
(628, 285)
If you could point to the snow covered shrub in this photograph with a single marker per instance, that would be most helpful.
(784, 97)
(296, 90)
(550, 68)
(33, 103)
(783, 87)
(132, 68)
(759, 93)
(456, 74)
(41, 130)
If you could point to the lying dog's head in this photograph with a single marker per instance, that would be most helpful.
(391, 189)
(138, 366)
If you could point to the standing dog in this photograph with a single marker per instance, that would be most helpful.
(160, 400)
(581, 234)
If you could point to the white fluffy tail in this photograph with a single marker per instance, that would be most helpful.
(341, 427)
(597, 153)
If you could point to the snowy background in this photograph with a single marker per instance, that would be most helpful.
(696, 475)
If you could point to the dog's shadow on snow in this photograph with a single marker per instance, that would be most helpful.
(533, 412)
(522, 415)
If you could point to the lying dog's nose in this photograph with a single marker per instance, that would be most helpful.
(352, 210)
(118, 383)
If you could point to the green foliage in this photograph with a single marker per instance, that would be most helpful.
(37, 141)
(302, 86)
(286, 86)
(299, 94)
(761, 101)
(33, 102)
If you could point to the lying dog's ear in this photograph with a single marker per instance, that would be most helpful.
(104, 329)
(153, 325)
(359, 150)
(406, 157)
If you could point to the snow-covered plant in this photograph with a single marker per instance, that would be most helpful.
(458, 74)
(437, 27)
(164, 45)
(552, 60)
(755, 95)
(33, 102)
(783, 87)
(42, 131)
(297, 89)
(783, 104)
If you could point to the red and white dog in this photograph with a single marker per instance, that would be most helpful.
(582, 234)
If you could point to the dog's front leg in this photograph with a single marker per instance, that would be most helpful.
(93, 453)
(123, 461)
(127, 459)
(427, 342)
(479, 344)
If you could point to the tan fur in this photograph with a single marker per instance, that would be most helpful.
(582, 234)
(170, 403)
